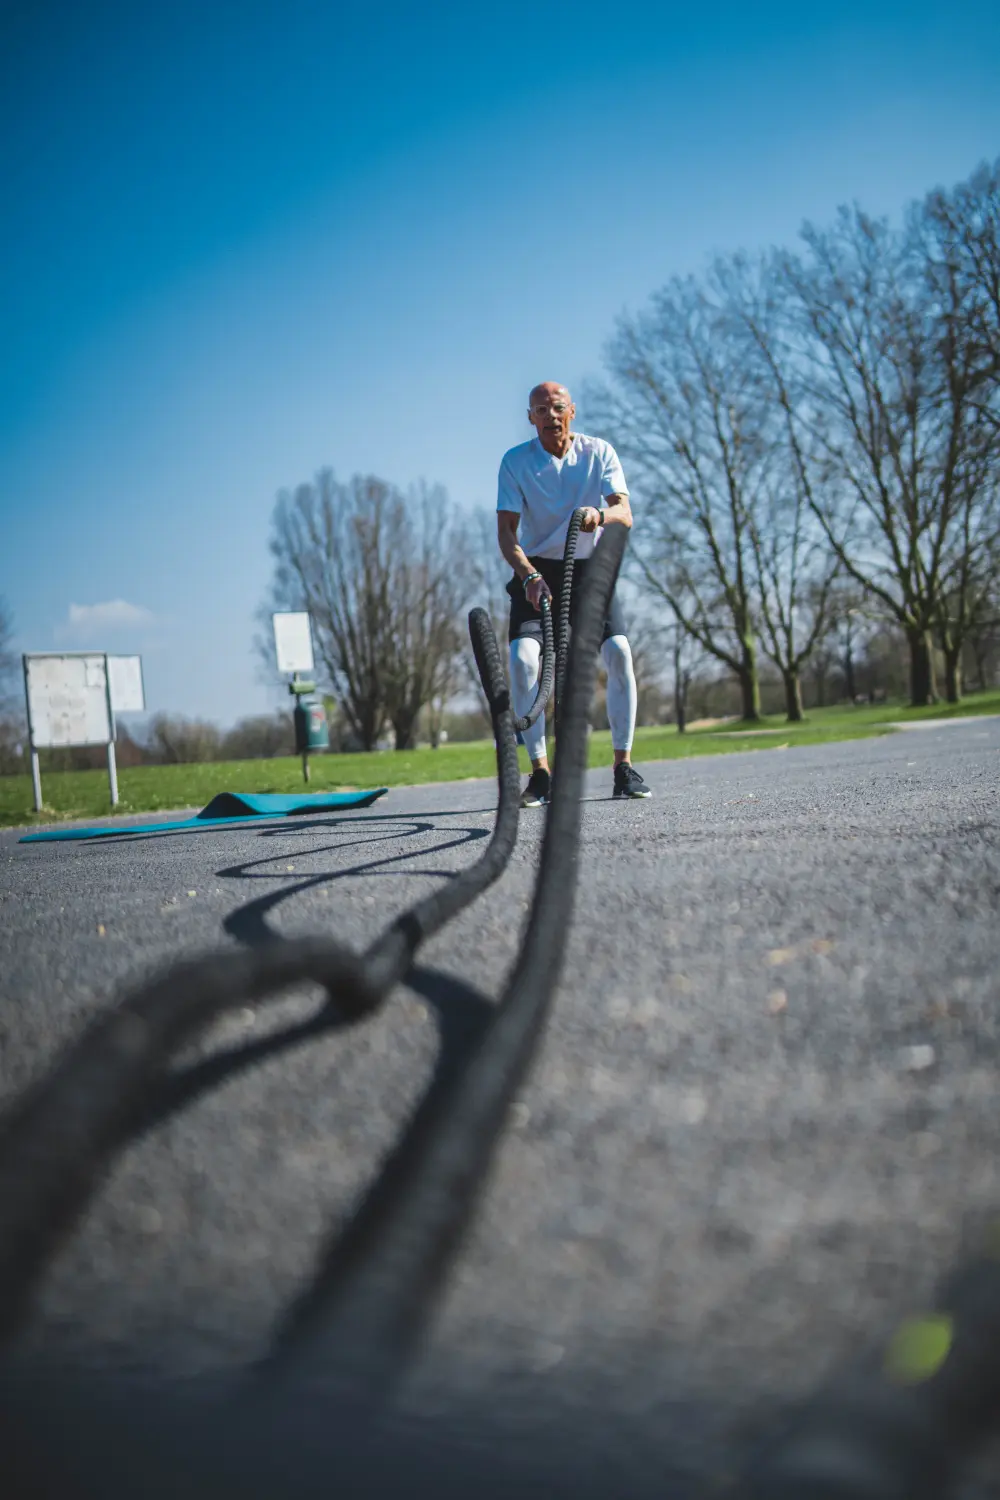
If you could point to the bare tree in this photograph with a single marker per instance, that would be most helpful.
(651, 686)
(705, 414)
(8, 657)
(966, 607)
(679, 409)
(432, 582)
(849, 628)
(665, 659)
(259, 737)
(983, 640)
(490, 576)
(966, 225)
(805, 420)
(172, 739)
(384, 578)
(795, 575)
(795, 568)
(331, 544)
(957, 236)
(891, 395)
(684, 652)
(12, 722)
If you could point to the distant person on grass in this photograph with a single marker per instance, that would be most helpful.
(542, 482)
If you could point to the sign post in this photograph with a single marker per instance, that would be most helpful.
(36, 775)
(294, 653)
(72, 698)
(112, 763)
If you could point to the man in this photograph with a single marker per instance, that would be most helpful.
(542, 482)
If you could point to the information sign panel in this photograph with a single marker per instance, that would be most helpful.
(125, 679)
(67, 700)
(293, 642)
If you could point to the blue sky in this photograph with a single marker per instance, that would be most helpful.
(245, 241)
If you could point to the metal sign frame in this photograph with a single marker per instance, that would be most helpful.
(110, 726)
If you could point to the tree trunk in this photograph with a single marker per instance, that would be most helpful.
(979, 655)
(680, 700)
(850, 685)
(681, 680)
(367, 726)
(953, 674)
(749, 683)
(921, 667)
(793, 696)
(403, 726)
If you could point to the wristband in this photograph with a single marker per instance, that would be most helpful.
(530, 578)
(603, 515)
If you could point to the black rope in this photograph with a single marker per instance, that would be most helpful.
(565, 603)
(56, 1142)
(555, 653)
(377, 1306)
(546, 677)
(901, 1426)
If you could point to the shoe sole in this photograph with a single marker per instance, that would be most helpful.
(542, 802)
(631, 796)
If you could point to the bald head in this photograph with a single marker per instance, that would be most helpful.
(549, 390)
(550, 412)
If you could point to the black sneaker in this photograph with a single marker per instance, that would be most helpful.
(628, 782)
(536, 793)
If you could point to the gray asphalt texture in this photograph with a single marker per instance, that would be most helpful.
(763, 1121)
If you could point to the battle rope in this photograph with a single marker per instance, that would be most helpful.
(546, 676)
(565, 601)
(900, 1428)
(58, 1139)
(553, 672)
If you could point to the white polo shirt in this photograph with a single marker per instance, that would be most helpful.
(545, 491)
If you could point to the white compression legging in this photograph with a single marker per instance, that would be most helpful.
(525, 665)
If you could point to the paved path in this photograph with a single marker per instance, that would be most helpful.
(763, 1121)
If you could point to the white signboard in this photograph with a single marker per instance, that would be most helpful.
(293, 642)
(67, 700)
(125, 678)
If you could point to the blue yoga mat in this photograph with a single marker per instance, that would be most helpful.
(226, 809)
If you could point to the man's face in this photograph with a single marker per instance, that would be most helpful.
(550, 412)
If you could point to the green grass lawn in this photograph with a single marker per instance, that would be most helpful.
(84, 794)
(847, 717)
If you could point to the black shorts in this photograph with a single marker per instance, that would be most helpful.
(524, 620)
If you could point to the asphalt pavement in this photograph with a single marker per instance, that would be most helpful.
(762, 1123)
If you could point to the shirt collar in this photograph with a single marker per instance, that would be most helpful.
(546, 454)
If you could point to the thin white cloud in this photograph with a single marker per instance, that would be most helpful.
(113, 615)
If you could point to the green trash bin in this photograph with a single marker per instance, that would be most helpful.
(311, 729)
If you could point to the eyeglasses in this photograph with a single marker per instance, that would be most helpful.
(557, 408)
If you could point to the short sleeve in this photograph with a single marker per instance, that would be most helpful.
(509, 493)
(612, 476)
